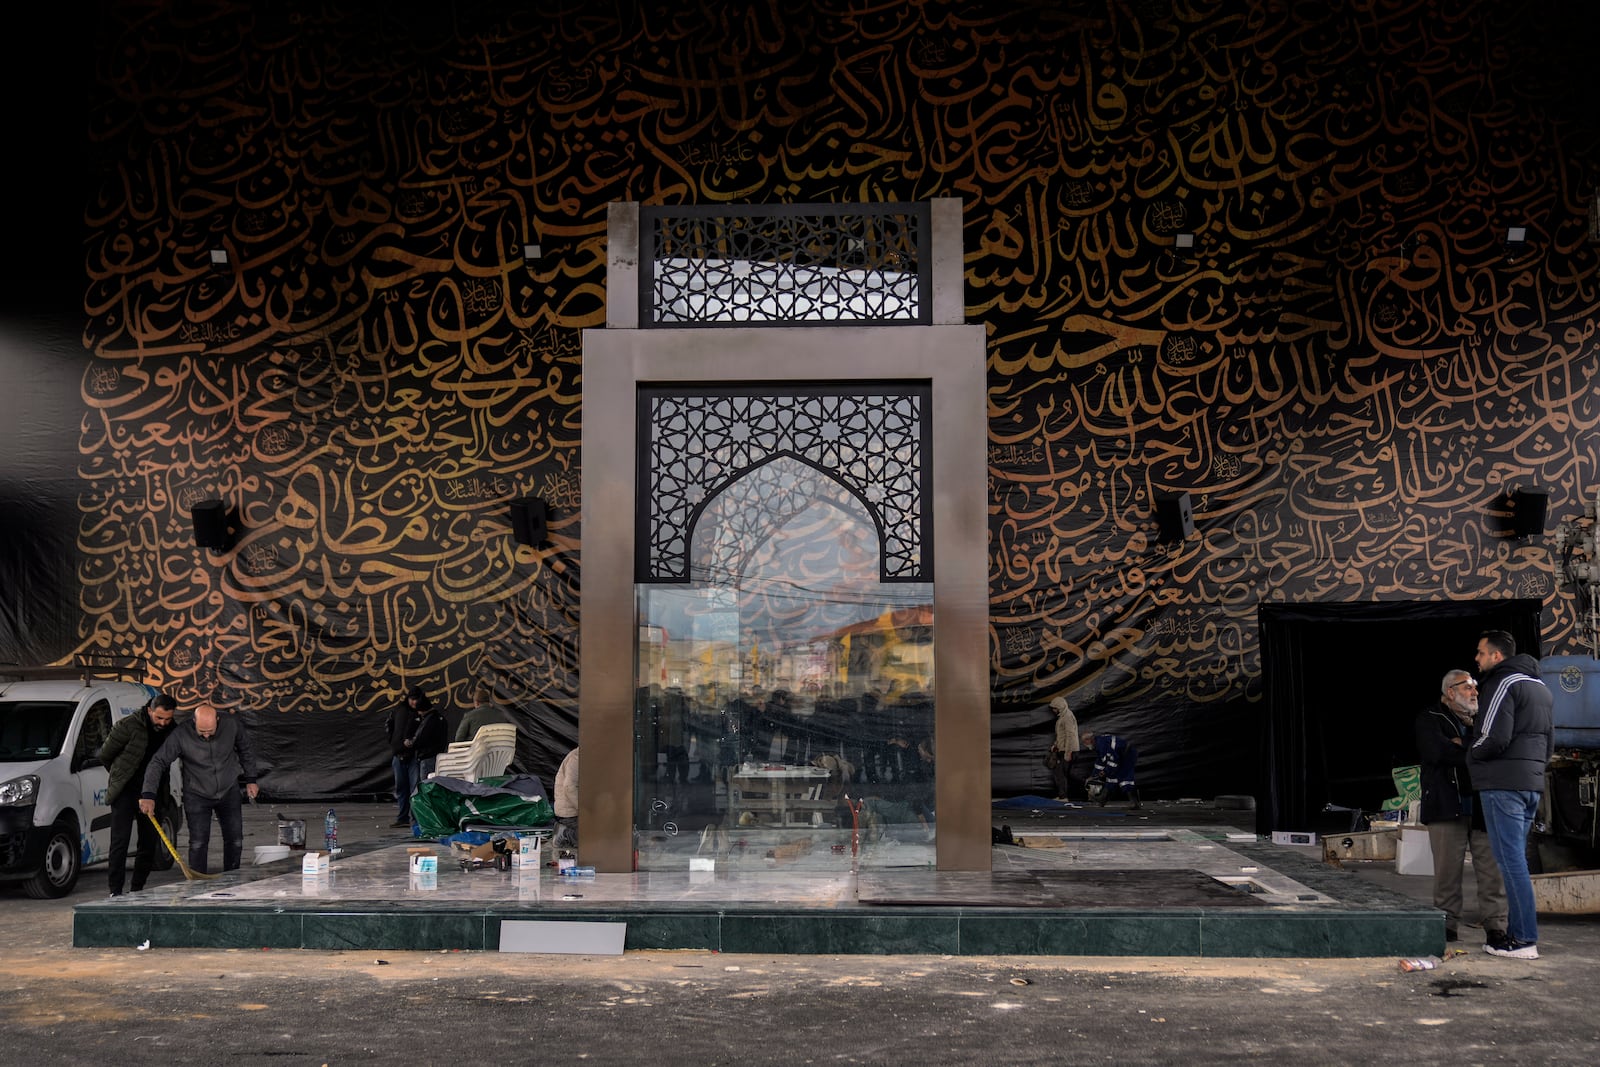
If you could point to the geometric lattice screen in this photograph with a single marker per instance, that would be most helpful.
(784, 264)
(696, 441)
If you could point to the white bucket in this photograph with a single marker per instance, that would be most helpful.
(271, 853)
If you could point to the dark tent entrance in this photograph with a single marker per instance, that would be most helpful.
(1343, 684)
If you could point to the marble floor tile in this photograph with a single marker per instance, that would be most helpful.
(817, 877)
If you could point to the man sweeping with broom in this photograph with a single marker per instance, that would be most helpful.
(216, 755)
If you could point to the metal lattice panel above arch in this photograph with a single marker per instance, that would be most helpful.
(696, 441)
(782, 264)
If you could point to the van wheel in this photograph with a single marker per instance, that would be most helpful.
(171, 823)
(58, 872)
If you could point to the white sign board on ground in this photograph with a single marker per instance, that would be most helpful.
(589, 939)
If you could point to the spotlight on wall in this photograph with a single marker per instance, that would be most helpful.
(219, 257)
(1529, 508)
(216, 526)
(1174, 516)
(528, 521)
(1183, 242)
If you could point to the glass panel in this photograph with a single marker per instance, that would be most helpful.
(784, 713)
(96, 728)
(33, 730)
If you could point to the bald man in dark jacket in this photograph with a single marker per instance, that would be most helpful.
(216, 755)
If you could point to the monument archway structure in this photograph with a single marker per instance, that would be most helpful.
(784, 615)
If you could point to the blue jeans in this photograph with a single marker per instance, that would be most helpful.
(403, 784)
(1508, 816)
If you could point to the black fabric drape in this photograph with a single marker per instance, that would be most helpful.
(1357, 673)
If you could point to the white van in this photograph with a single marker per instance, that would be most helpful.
(54, 819)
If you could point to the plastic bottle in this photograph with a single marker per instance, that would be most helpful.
(577, 872)
(1421, 963)
(330, 831)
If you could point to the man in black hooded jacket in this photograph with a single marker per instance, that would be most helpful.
(400, 725)
(1512, 742)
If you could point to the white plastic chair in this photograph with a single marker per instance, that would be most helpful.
(453, 762)
(489, 753)
(493, 748)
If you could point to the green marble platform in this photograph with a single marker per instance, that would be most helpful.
(1060, 901)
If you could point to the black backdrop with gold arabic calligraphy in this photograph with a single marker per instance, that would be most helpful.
(1346, 372)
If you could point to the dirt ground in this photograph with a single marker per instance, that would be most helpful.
(165, 1006)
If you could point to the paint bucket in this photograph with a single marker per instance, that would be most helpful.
(292, 833)
(271, 853)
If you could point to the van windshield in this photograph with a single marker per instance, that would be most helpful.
(33, 729)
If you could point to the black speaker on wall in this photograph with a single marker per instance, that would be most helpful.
(214, 525)
(1175, 516)
(527, 520)
(1528, 510)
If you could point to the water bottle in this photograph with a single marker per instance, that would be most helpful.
(330, 831)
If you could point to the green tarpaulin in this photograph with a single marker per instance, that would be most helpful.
(442, 806)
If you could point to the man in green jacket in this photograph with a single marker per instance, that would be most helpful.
(484, 712)
(126, 755)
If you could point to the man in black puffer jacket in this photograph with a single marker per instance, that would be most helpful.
(1511, 745)
(125, 755)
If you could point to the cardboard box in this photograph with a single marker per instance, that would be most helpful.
(483, 852)
(1371, 845)
(314, 863)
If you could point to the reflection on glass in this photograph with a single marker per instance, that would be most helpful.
(784, 713)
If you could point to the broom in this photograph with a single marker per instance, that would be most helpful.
(188, 872)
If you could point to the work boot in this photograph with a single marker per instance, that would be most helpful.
(1133, 797)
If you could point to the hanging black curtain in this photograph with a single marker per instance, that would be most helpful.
(1356, 673)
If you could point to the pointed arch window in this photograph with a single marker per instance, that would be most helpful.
(696, 441)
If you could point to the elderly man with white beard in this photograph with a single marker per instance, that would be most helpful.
(1450, 811)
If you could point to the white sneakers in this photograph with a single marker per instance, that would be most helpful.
(1515, 950)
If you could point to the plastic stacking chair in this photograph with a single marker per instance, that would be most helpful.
(489, 753)
(454, 761)
(493, 748)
